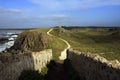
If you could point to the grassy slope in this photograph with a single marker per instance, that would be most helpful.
(56, 44)
(105, 42)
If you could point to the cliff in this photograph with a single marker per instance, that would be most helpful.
(30, 52)
(12, 65)
(93, 67)
(32, 40)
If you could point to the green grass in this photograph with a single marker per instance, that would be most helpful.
(44, 30)
(37, 39)
(44, 71)
(56, 44)
(32, 40)
(57, 47)
(94, 40)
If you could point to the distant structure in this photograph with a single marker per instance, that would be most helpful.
(59, 23)
(60, 26)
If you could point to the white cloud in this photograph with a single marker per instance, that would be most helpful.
(73, 4)
(54, 17)
(14, 18)
(8, 11)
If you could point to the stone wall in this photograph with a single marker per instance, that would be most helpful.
(41, 59)
(11, 65)
(94, 67)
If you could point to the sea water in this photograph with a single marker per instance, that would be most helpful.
(11, 35)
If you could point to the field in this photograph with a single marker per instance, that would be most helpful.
(102, 41)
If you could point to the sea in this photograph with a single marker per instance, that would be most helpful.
(11, 35)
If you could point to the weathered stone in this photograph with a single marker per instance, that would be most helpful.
(94, 67)
(32, 40)
(11, 68)
(41, 58)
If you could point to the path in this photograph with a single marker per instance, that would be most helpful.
(48, 33)
(63, 53)
(56, 68)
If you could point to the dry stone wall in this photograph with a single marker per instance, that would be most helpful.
(94, 67)
(12, 65)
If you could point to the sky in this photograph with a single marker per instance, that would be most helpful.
(50, 13)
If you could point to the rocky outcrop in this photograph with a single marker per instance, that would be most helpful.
(11, 65)
(32, 40)
(3, 40)
(94, 67)
(11, 68)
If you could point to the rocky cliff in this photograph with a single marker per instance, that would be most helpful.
(32, 40)
(94, 67)
(11, 65)
(30, 52)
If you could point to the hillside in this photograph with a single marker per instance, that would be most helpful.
(37, 40)
(33, 41)
(103, 41)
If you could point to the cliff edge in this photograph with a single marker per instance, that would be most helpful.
(32, 40)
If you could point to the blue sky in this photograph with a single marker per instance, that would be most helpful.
(49, 13)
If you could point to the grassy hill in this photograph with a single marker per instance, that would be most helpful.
(37, 40)
(103, 41)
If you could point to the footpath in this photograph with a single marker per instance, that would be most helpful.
(57, 72)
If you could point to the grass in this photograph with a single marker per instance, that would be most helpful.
(43, 30)
(37, 39)
(103, 41)
(57, 47)
(56, 44)
(44, 71)
(32, 40)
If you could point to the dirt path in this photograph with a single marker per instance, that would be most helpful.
(56, 68)
(48, 33)
(63, 53)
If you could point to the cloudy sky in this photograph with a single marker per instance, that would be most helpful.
(49, 13)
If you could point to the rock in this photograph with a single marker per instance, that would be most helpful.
(12, 65)
(3, 40)
(32, 41)
(94, 67)
(115, 64)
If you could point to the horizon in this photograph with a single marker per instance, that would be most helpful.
(50, 13)
(27, 28)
